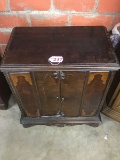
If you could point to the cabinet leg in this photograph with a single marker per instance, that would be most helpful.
(94, 124)
(27, 125)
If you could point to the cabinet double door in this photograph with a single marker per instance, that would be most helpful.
(60, 93)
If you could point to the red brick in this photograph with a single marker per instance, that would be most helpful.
(75, 5)
(116, 20)
(92, 20)
(20, 5)
(49, 20)
(4, 37)
(112, 6)
(9, 21)
(3, 48)
(3, 5)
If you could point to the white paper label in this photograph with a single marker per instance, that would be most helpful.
(56, 59)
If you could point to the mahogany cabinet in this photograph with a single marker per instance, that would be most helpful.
(71, 92)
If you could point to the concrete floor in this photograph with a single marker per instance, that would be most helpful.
(56, 143)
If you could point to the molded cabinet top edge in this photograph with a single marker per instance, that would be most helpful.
(77, 46)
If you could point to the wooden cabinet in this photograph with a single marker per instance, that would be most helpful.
(5, 92)
(111, 106)
(71, 92)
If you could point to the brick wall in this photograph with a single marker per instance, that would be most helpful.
(55, 13)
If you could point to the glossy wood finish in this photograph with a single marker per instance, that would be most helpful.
(49, 92)
(23, 84)
(93, 92)
(79, 46)
(61, 121)
(112, 106)
(72, 92)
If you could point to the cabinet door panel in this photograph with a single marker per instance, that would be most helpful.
(93, 92)
(49, 92)
(71, 91)
(25, 89)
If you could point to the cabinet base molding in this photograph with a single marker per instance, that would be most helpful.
(60, 122)
(3, 107)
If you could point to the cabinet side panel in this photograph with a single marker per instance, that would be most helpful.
(5, 92)
(2, 105)
(116, 104)
(114, 89)
(93, 92)
(49, 92)
(71, 91)
(24, 86)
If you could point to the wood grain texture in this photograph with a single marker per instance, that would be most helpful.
(71, 90)
(113, 96)
(116, 104)
(93, 74)
(49, 92)
(69, 93)
(61, 120)
(26, 76)
(23, 84)
(110, 112)
(116, 92)
(78, 46)
(93, 92)
(112, 106)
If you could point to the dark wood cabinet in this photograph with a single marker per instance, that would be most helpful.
(5, 92)
(71, 92)
(111, 106)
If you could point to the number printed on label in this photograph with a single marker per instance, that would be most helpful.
(56, 59)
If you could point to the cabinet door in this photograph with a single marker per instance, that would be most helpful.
(71, 92)
(93, 92)
(23, 85)
(48, 86)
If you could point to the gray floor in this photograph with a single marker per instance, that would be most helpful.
(57, 143)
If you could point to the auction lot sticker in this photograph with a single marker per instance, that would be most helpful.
(55, 60)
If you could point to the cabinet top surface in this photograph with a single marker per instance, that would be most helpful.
(77, 45)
